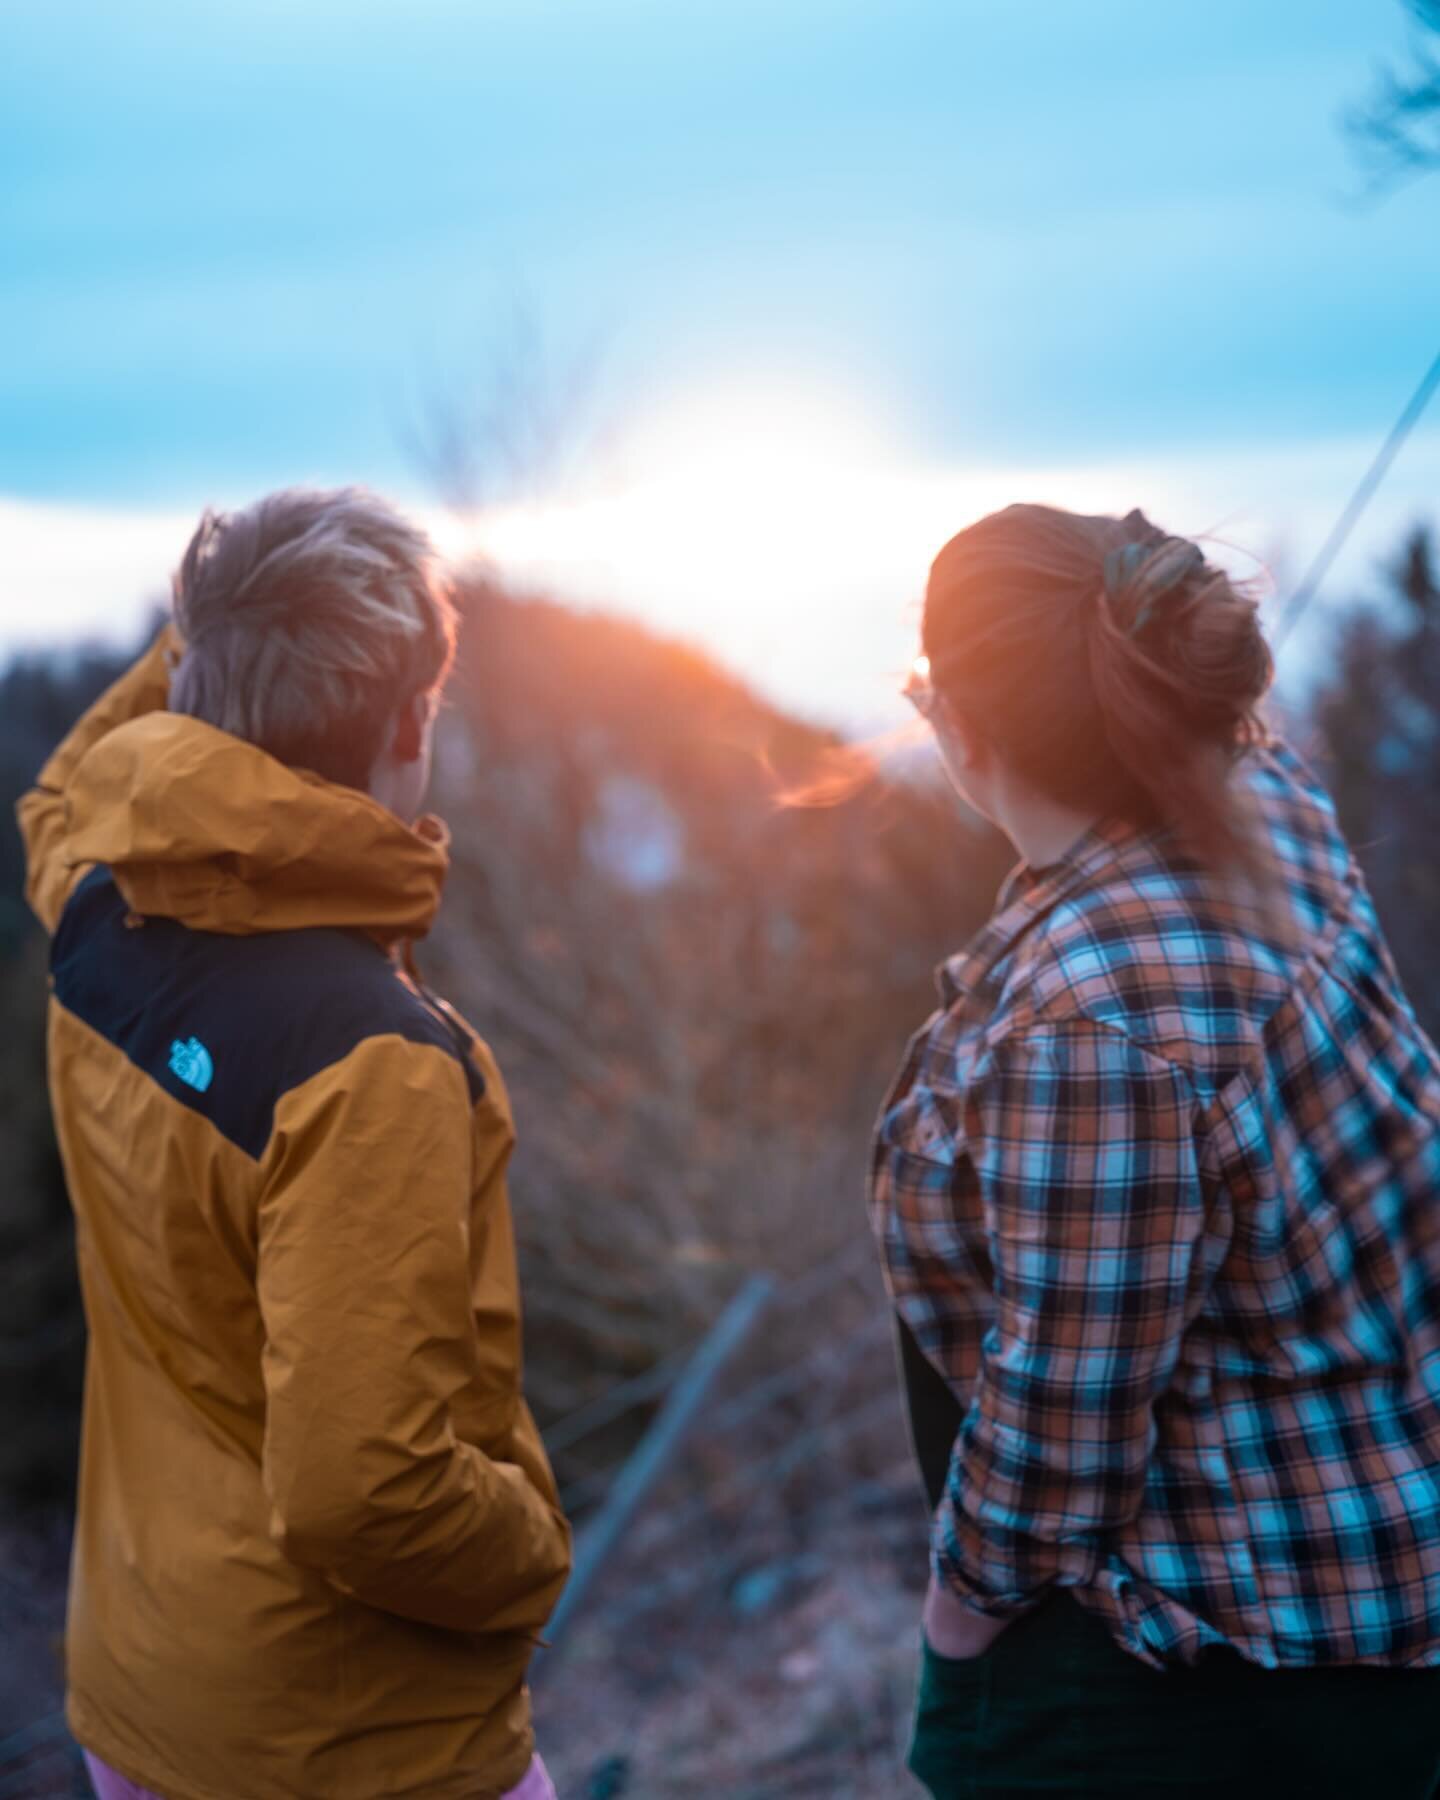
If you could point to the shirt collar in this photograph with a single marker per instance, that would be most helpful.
(1026, 896)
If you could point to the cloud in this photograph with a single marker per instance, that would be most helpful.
(802, 571)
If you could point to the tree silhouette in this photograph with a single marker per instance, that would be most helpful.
(1379, 715)
(1396, 131)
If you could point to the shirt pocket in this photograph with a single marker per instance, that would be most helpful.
(928, 1212)
(927, 1124)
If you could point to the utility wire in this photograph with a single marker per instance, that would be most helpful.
(1309, 583)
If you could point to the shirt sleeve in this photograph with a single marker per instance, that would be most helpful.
(373, 1357)
(1084, 1147)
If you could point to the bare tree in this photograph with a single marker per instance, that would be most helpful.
(520, 424)
(1396, 131)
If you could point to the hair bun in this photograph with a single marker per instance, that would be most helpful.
(1138, 576)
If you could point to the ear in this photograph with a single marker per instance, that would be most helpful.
(408, 745)
(965, 746)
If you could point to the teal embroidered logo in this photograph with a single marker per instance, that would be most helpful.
(190, 1061)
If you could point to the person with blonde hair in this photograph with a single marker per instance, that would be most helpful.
(1157, 1195)
(317, 1536)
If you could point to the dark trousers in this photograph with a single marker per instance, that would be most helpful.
(1056, 1707)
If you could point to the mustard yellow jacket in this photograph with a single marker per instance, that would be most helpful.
(317, 1533)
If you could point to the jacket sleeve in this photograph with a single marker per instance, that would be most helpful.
(1084, 1146)
(372, 1347)
(42, 813)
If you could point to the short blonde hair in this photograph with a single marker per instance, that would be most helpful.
(308, 619)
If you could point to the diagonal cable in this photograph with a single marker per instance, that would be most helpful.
(1309, 583)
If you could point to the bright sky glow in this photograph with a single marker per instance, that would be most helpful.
(858, 273)
(787, 542)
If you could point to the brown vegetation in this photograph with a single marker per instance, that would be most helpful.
(697, 997)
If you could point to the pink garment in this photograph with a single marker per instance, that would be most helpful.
(110, 1786)
(536, 1784)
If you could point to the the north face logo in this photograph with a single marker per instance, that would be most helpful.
(190, 1061)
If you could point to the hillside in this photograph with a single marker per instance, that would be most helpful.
(697, 994)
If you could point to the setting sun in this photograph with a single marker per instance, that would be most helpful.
(782, 526)
(783, 529)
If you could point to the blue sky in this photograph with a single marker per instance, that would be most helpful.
(236, 242)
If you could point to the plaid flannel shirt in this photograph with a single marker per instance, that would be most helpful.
(1158, 1192)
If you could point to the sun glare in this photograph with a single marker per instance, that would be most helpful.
(782, 528)
(790, 533)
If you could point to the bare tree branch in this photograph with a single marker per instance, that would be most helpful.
(1396, 131)
(519, 427)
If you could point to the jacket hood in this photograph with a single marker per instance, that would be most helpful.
(201, 827)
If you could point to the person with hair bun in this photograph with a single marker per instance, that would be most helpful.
(1157, 1196)
(317, 1537)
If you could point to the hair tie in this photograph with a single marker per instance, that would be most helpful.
(1163, 568)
